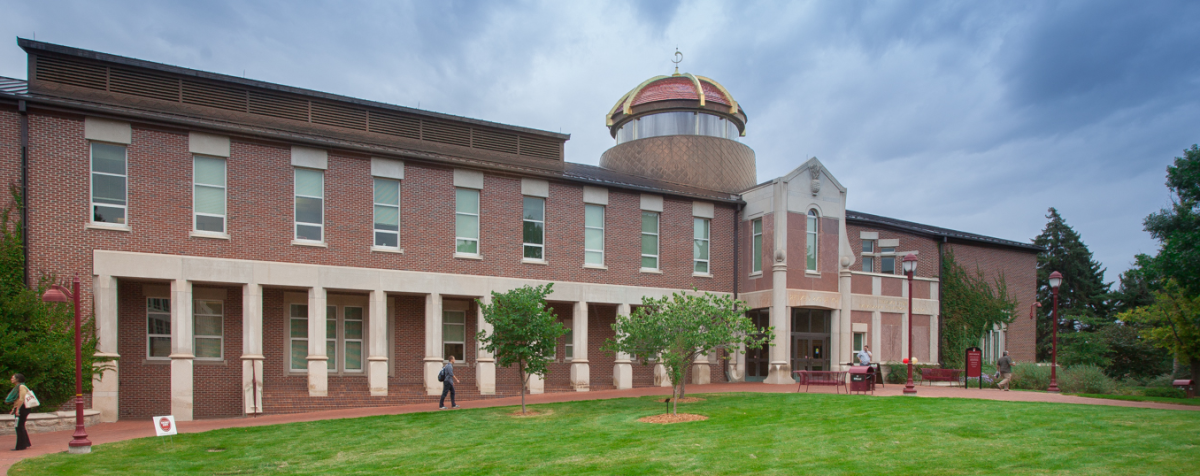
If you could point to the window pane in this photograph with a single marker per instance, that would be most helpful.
(210, 171)
(330, 329)
(210, 200)
(466, 200)
(308, 210)
(593, 239)
(758, 228)
(158, 305)
(213, 224)
(306, 232)
(812, 252)
(310, 182)
(649, 245)
(758, 244)
(453, 333)
(532, 232)
(868, 246)
(300, 354)
(208, 307)
(331, 353)
(700, 227)
(160, 347)
(454, 317)
(300, 328)
(387, 218)
(455, 350)
(467, 226)
(570, 351)
(386, 239)
(159, 324)
(108, 158)
(535, 208)
(700, 249)
(858, 341)
(649, 222)
(594, 216)
(353, 329)
(467, 246)
(701, 267)
(868, 264)
(887, 250)
(207, 325)
(108, 189)
(593, 257)
(353, 355)
(208, 348)
(353, 313)
(387, 191)
(533, 252)
(102, 214)
(888, 265)
(649, 262)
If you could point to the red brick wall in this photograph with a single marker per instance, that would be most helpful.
(926, 248)
(218, 385)
(749, 283)
(10, 154)
(145, 389)
(827, 254)
(1019, 269)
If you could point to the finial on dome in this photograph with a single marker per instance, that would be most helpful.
(678, 59)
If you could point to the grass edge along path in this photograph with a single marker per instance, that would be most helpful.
(1142, 398)
(745, 432)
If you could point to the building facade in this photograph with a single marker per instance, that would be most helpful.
(255, 248)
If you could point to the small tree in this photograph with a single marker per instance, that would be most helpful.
(676, 329)
(1173, 323)
(524, 331)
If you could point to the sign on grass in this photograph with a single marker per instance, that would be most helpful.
(164, 425)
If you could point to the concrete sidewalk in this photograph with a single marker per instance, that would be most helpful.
(55, 442)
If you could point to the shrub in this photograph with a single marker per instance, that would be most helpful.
(897, 373)
(1161, 381)
(1085, 379)
(1030, 377)
(1169, 392)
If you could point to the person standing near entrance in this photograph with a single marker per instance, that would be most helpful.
(17, 398)
(1004, 366)
(448, 379)
(864, 356)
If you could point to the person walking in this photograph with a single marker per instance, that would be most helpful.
(1004, 366)
(448, 380)
(17, 398)
(864, 356)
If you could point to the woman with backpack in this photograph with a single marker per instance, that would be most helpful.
(17, 398)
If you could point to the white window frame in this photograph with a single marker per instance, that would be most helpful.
(292, 340)
(603, 218)
(478, 231)
(342, 339)
(296, 207)
(696, 259)
(224, 197)
(525, 246)
(92, 185)
(756, 245)
(332, 357)
(812, 237)
(150, 336)
(857, 341)
(657, 241)
(196, 335)
(374, 211)
(869, 255)
(463, 342)
(569, 341)
(888, 253)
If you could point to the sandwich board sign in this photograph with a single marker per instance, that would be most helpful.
(164, 425)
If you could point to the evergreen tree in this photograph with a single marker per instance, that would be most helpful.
(1082, 297)
(1178, 228)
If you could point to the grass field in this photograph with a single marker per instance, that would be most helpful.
(745, 433)
(1142, 398)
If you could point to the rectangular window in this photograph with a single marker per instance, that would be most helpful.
(466, 220)
(454, 335)
(812, 237)
(569, 337)
(887, 263)
(298, 336)
(158, 328)
(858, 343)
(593, 235)
(208, 194)
(756, 248)
(310, 204)
(352, 338)
(649, 240)
(868, 264)
(109, 184)
(331, 340)
(208, 322)
(534, 228)
(700, 245)
(868, 246)
(387, 213)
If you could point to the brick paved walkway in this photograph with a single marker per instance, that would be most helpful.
(125, 430)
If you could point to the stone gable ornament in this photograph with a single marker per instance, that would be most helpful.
(815, 184)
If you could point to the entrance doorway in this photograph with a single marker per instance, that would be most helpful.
(758, 360)
(810, 339)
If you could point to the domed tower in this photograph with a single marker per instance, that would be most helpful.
(682, 129)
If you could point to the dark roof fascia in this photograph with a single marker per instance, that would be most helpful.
(33, 46)
(936, 232)
(103, 110)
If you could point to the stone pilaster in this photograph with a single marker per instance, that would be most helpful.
(252, 348)
(485, 362)
(106, 387)
(377, 361)
(623, 366)
(182, 356)
(580, 378)
(433, 343)
(318, 361)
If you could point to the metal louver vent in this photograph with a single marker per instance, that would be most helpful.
(541, 148)
(338, 115)
(278, 106)
(452, 134)
(211, 95)
(494, 141)
(140, 83)
(395, 125)
(74, 73)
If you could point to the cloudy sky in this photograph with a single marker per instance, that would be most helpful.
(976, 116)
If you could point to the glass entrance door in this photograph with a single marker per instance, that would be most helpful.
(810, 339)
(758, 360)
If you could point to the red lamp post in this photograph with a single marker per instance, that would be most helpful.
(1055, 282)
(80, 444)
(909, 265)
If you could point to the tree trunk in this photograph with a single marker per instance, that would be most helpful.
(1195, 363)
(524, 382)
(675, 399)
(682, 383)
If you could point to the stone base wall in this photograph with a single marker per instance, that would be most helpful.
(47, 422)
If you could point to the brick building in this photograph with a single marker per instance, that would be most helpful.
(254, 247)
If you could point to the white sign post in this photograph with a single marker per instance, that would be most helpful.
(164, 425)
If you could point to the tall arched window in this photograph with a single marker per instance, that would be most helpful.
(812, 240)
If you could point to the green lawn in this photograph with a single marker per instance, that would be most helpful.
(760, 433)
(1143, 398)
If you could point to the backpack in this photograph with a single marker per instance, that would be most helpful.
(442, 375)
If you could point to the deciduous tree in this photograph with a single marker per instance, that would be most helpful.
(524, 331)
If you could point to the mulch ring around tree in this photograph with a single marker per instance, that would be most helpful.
(668, 418)
(683, 400)
(531, 413)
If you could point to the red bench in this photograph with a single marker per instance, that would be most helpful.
(1187, 385)
(941, 375)
(833, 379)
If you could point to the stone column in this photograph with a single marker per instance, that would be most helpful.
(433, 343)
(622, 367)
(661, 377)
(536, 385)
(485, 362)
(181, 350)
(780, 370)
(105, 387)
(580, 378)
(737, 364)
(318, 361)
(876, 337)
(701, 371)
(377, 362)
(252, 348)
(844, 334)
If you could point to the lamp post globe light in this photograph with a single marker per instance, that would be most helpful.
(80, 444)
(1055, 282)
(909, 265)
